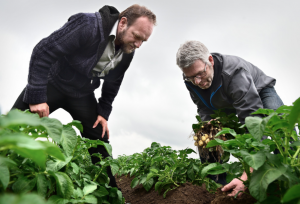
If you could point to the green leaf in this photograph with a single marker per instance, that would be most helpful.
(198, 118)
(42, 185)
(68, 140)
(261, 179)
(100, 192)
(295, 144)
(25, 146)
(148, 184)
(22, 199)
(56, 165)
(90, 199)
(225, 131)
(4, 175)
(75, 167)
(64, 185)
(77, 193)
(209, 167)
(16, 118)
(58, 200)
(263, 111)
(53, 127)
(24, 184)
(214, 142)
(134, 182)
(53, 150)
(284, 109)
(294, 116)
(190, 173)
(256, 126)
(254, 160)
(77, 124)
(292, 194)
(89, 189)
(114, 168)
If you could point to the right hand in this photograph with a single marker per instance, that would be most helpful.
(235, 185)
(42, 109)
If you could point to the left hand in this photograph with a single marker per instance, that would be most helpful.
(103, 122)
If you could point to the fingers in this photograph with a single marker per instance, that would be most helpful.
(107, 130)
(96, 123)
(229, 186)
(103, 131)
(41, 109)
(103, 123)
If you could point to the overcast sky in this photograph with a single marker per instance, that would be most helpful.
(153, 103)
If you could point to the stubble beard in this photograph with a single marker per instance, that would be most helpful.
(208, 81)
(125, 48)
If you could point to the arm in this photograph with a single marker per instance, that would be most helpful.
(109, 91)
(60, 43)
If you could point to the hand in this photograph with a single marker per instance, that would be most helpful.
(237, 185)
(103, 122)
(42, 109)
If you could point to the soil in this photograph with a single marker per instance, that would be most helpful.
(184, 194)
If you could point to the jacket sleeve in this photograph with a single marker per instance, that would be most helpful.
(243, 93)
(203, 111)
(60, 43)
(109, 91)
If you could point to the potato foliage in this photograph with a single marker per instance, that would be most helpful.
(56, 169)
(166, 169)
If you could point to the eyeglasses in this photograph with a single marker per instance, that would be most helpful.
(198, 76)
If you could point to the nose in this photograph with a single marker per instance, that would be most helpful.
(138, 44)
(197, 80)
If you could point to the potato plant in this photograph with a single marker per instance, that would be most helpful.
(206, 131)
(276, 176)
(57, 169)
(167, 169)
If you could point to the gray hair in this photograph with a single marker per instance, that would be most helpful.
(191, 51)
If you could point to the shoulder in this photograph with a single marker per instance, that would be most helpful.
(232, 64)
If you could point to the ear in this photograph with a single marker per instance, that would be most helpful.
(211, 60)
(122, 24)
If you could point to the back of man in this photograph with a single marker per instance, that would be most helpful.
(66, 67)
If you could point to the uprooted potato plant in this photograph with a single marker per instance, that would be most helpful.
(206, 131)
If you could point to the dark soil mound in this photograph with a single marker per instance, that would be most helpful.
(186, 193)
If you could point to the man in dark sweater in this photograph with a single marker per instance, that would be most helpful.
(66, 67)
(216, 81)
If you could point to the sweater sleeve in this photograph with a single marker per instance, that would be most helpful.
(109, 91)
(60, 43)
(244, 95)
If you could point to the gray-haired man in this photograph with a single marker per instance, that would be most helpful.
(217, 81)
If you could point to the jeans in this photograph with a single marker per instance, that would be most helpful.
(83, 109)
(270, 100)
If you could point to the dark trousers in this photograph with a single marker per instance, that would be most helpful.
(83, 109)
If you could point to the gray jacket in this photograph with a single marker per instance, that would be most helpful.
(235, 88)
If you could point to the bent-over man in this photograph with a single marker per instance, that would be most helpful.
(217, 81)
(66, 67)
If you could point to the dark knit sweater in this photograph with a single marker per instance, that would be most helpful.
(67, 57)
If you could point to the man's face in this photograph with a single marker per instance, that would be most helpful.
(132, 37)
(197, 68)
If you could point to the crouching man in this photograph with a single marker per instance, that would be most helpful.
(217, 81)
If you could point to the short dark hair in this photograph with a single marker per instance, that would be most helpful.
(135, 11)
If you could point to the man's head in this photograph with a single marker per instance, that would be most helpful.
(196, 62)
(135, 26)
